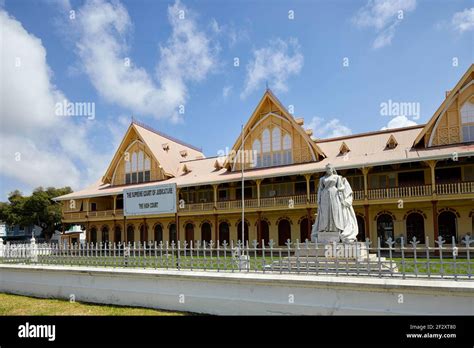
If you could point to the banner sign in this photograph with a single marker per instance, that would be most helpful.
(159, 199)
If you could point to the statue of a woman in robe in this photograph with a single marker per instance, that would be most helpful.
(335, 211)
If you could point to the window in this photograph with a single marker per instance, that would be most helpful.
(276, 146)
(273, 151)
(287, 158)
(467, 121)
(138, 169)
(256, 147)
(266, 148)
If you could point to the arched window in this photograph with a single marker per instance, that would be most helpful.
(147, 168)
(93, 235)
(447, 226)
(246, 232)
(467, 121)
(117, 234)
(384, 228)
(256, 147)
(276, 146)
(264, 233)
(361, 226)
(158, 233)
(415, 227)
(105, 233)
(143, 233)
(137, 169)
(206, 232)
(287, 156)
(284, 232)
(224, 234)
(140, 168)
(134, 167)
(130, 233)
(189, 233)
(172, 234)
(266, 148)
(305, 230)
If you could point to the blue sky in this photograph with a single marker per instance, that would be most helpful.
(335, 62)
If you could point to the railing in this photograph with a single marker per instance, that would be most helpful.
(92, 214)
(400, 192)
(455, 188)
(197, 207)
(283, 201)
(358, 195)
(389, 259)
(299, 200)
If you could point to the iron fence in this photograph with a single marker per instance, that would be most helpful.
(388, 258)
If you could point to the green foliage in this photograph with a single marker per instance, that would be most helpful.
(38, 209)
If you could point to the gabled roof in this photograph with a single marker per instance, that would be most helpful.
(367, 150)
(296, 123)
(166, 150)
(468, 75)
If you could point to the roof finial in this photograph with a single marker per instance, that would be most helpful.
(133, 119)
(266, 85)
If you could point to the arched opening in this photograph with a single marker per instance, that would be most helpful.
(224, 234)
(117, 234)
(189, 232)
(172, 233)
(447, 226)
(206, 232)
(143, 233)
(304, 230)
(105, 234)
(264, 233)
(361, 225)
(158, 233)
(130, 233)
(94, 235)
(415, 227)
(284, 232)
(384, 228)
(246, 232)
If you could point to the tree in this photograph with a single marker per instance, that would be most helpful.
(37, 209)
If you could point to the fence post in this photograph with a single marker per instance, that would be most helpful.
(2, 247)
(33, 249)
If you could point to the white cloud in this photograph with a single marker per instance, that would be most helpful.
(463, 21)
(399, 122)
(384, 16)
(274, 63)
(37, 147)
(226, 91)
(102, 48)
(328, 129)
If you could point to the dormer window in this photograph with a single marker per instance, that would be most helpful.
(391, 143)
(138, 169)
(343, 149)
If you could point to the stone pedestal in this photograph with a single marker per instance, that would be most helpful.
(328, 237)
(341, 251)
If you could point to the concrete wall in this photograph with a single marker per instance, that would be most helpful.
(244, 294)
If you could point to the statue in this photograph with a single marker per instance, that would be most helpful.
(335, 211)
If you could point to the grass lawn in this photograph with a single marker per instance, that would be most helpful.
(23, 305)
